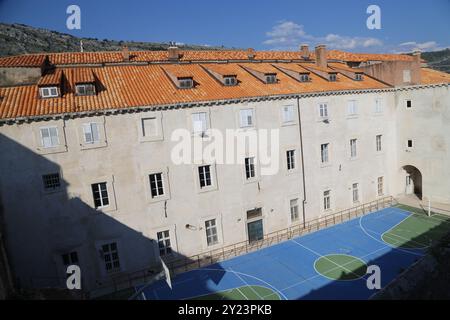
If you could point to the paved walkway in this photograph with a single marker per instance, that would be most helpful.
(414, 201)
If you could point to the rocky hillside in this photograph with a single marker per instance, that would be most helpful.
(18, 39)
(439, 60)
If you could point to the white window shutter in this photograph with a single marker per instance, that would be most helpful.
(45, 135)
(54, 136)
(87, 133)
(95, 133)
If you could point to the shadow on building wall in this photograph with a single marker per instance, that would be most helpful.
(46, 230)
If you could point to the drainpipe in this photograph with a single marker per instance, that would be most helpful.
(303, 160)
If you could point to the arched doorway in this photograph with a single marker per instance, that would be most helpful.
(413, 181)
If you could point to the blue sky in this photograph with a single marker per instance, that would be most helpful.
(261, 24)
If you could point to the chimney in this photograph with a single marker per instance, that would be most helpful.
(251, 53)
(321, 56)
(304, 49)
(417, 57)
(174, 53)
(125, 53)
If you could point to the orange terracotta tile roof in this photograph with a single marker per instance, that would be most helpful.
(69, 58)
(83, 75)
(51, 79)
(148, 85)
(312, 66)
(343, 66)
(264, 68)
(293, 67)
(178, 71)
(430, 76)
(222, 69)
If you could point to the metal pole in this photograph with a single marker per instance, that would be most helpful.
(429, 207)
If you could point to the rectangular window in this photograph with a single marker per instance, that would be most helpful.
(355, 192)
(186, 83)
(410, 143)
(358, 76)
(324, 152)
(380, 186)
(352, 107)
(378, 142)
(91, 133)
(100, 194)
(51, 181)
(49, 137)
(294, 209)
(327, 200)
(333, 77)
(408, 103)
(246, 118)
(290, 157)
(85, 89)
(304, 77)
(353, 148)
(111, 257)
(204, 173)
(378, 105)
(149, 127)
(211, 232)
(271, 78)
(164, 243)
(250, 168)
(230, 81)
(70, 258)
(49, 92)
(323, 110)
(156, 184)
(199, 122)
(288, 114)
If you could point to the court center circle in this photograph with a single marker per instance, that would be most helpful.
(340, 267)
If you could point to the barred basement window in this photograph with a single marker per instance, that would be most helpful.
(111, 257)
(156, 185)
(100, 194)
(51, 181)
(205, 176)
(249, 168)
(164, 243)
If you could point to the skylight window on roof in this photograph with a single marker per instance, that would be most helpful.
(185, 83)
(304, 77)
(49, 92)
(271, 78)
(86, 89)
(230, 80)
(332, 77)
(358, 76)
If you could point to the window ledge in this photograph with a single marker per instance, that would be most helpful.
(87, 146)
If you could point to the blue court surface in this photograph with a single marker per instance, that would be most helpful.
(289, 270)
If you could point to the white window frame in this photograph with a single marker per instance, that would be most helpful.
(159, 185)
(250, 168)
(379, 143)
(378, 106)
(230, 81)
(213, 177)
(380, 186)
(112, 260)
(185, 83)
(163, 237)
(353, 148)
(325, 153)
(244, 116)
(323, 110)
(213, 234)
(88, 129)
(54, 140)
(326, 197)
(99, 190)
(294, 210)
(49, 92)
(82, 87)
(352, 108)
(355, 193)
(199, 119)
(287, 114)
(203, 174)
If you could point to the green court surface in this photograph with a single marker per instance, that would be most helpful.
(340, 267)
(418, 230)
(242, 293)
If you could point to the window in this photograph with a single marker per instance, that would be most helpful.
(87, 89)
(355, 192)
(70, 258)
(323, 110)
(230, 81)
(199, 122)
(326, 200)
(378, 106)
(90, 131)
(211, 232)
(290, 157)
(288, 114)
(410, 143)
(333, 77)
(406, 75)
(156, 184)
(249, 168)
(111, 257)
(380, 186)
(49, 137)
(293, 204)
(324, 152)
(358, 76)
(149, 127)
(408, 104)
(205, 176)
(51, 181)
(304, 77)
(49, 92)
(353, 148)
(378, 142)
(164, 243)
(352, 107)
(100, 193)
(246, 118)
(185, 83)
(271, 78)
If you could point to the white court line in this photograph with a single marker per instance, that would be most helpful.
(246, 285)
(428, 217)
(322, 256)
(424, 246)
(385, 243)
(335, 268)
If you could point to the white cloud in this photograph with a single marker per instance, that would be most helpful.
(424, 46)
(287, 35)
